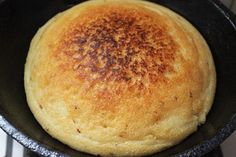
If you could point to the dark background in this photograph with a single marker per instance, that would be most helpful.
(19, 21)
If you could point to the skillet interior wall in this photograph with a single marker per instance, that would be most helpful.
(20, 20)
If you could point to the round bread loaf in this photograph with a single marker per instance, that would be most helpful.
(119, 78)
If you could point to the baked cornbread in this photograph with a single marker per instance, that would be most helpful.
(119, 77)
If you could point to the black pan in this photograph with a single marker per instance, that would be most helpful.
(19, 21)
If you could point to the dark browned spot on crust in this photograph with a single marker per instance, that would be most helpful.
(40, 106)
(176, 98)
(121, 46)
(157, 116)
(78, 130)
(162, 103)
(104, 126)
(190, 94)
(122, 134)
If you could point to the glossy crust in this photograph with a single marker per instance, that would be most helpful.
(119, 78)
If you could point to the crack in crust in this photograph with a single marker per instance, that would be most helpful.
(123, 46)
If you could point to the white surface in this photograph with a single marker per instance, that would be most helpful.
(3, 140)
(226, 2)
(229, 146)
(17, 150)
(232, 5)
(234, 10)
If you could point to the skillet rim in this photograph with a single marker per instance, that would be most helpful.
(198, 150)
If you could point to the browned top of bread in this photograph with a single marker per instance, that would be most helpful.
(131, 76)
(121, 45)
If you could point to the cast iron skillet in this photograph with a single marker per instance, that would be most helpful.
(19, 21)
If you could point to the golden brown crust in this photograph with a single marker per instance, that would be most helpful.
(123, 78)
(117, 44)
